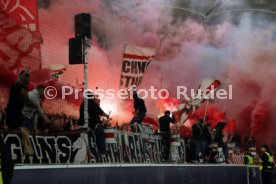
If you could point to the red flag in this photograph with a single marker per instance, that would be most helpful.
(24, 12)
(20, 38)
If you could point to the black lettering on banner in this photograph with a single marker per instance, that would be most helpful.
(127, 147)
(123, 148)
(139, 147)
(132, 147)
(159, 143)
(142, 66)
(113, 155)
(36, 158)
(110, 153)
(134, 67)
(110, 156)
(182, 151)
(64, 149)
(148, 64)
(49, 151)
(128, 79)
(148, 157)
(93, 154)
(116, 152)
(130, 69)
(139, 81)
(134, 81)
(154, 151)
(126, 67)
(120, 148)
(13, 142)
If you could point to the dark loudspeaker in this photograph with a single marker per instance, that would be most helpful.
(75, 51)
(83, 25)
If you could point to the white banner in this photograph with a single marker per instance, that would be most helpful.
(136, 60)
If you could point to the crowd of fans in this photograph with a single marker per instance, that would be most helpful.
(24, 111)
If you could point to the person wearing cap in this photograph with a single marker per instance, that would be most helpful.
(165, 130)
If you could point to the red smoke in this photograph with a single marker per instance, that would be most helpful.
(185, 132)
(244, 118)
(255, 119)
(7, 77)
(169, 103)
(240, 53)
(72, 99)
(40, 75)
(231, 126)
(260, 118)
(213, 114)
(150, 121)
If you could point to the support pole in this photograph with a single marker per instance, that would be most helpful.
(86, 47)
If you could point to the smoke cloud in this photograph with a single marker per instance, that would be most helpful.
(236, 48)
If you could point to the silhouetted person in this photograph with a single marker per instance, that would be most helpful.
(140, 110)
(94, 121)
(218, 138)
(201, 138)
(17, 98)
(266, 165)
(164, 124)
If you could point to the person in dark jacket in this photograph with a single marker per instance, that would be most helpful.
(140, 110)
(94, 121)
(164, 124)
(218, 138)
(266, 165)
(201, 139)
(18, 96)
